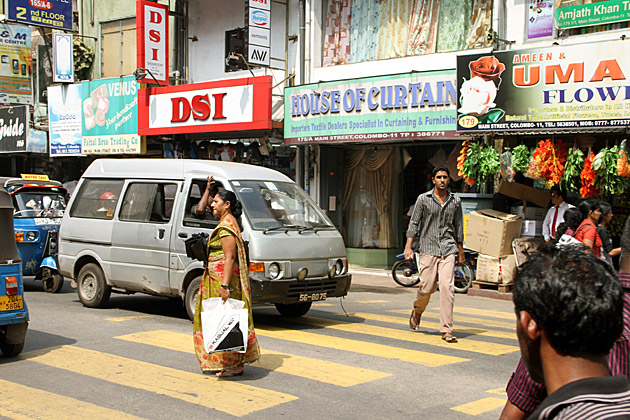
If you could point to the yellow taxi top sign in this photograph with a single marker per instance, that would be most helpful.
(34, 177)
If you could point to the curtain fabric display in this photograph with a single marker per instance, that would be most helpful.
(363, 30)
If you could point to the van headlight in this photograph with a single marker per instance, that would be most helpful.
(274, 271)
(339, 267)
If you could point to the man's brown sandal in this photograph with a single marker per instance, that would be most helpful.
(449, 338)
(413, 324)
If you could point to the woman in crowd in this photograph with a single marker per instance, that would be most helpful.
(587, 231)
(225, 277)
(566, 229)
(608, 251)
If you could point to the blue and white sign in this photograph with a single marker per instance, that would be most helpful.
(63, 58)
(37, 141)
(258, 24)
(51, 13)
(65, 118)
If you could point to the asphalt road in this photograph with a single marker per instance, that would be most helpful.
(354, 358)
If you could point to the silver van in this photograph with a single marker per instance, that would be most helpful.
(126, 223)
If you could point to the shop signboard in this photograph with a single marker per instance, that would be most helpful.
(15, 64)
(222, 105)
(569, 15)
(110, 116)
(396, 107)
(37, 141)
(258, 24)
(64, 120)
(539, 19)
(51, 13)
(13, 129)
(63, 58)
(562, 87)
(152, 41)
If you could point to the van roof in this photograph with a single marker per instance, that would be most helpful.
(179, 169)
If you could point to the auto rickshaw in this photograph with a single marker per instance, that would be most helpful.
(13, 310)
(38, 205)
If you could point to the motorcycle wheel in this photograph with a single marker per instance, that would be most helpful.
(53, 283)
(464, 276)
(403, 275)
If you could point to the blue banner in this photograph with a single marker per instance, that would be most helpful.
(51, 13)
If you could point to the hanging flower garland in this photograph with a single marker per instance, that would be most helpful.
(623, 168)
(482, 162)
(521, 158)
(588, 177)
(572, 169)
(548, 162)
(461, 159)
(607, 178)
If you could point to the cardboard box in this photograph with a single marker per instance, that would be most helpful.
(529, 212)
(491, 232)
(523, 192)
(496, 270)
(532, 228)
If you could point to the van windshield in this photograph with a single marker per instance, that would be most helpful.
(270, 204)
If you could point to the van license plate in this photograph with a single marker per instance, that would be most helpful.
(312, 297)
(10, 303)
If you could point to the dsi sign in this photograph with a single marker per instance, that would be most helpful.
(398, 107)
(51, 13)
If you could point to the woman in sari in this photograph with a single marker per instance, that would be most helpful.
(225, 277)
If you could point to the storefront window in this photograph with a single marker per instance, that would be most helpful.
(358, 31)
(370, 207)
(118, 51)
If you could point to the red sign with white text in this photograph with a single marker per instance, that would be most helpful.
(216, 106)
(152, 41)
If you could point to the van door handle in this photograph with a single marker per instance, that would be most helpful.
(182, 235)
(161, 233)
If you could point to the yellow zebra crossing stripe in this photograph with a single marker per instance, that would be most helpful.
(464, 319)
(508, 316)
(434, 325)
(20, 402)
(484, 347)
(480, 406)
(356, 346)
(305, 367)
(126, 318)
(227, 396)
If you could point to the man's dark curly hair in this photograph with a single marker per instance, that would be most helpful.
(575, 298)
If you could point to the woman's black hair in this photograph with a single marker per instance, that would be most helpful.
(236, 208)
(572, 219)
(589, 205)
(604, 207)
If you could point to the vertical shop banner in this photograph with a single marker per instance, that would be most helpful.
(152, 40)
(397, 107)
(579, 86)
(63, 58)
(539, 19)
(37, 141)
(65, 117)
(258, 24)
(15, 65)
(588, 13)
(110, 116)
(13, 129)
(44, 73)
(51, 13)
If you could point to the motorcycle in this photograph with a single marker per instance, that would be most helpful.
(405, 272)
(38, 204)
(13, 310)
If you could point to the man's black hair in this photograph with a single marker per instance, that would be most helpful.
(573, 296)
(560, 191)
(440, 168)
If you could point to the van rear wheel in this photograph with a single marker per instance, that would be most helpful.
(92, 288)
(293, 309)
(190, 300)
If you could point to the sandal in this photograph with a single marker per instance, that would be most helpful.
(228, 373)
(449, 338)
(413, 324)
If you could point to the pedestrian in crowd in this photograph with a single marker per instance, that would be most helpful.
(437, 220)
(587, 231)
(566, 230)
(555, 215)
(607, 245)
(569, 308)
(227, 277)
(525, 395)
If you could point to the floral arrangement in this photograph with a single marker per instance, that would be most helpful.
(588, 178)
(548, 162)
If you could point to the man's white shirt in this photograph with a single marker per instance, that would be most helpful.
(562, 207)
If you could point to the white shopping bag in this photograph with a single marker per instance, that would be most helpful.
(224, 325)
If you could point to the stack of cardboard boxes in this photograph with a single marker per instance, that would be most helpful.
(491, 233)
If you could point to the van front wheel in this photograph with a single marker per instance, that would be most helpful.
(91, 286)
(190, 299)
(293, 309)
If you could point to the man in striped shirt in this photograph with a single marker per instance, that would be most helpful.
(524, 395)
(437, 220)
